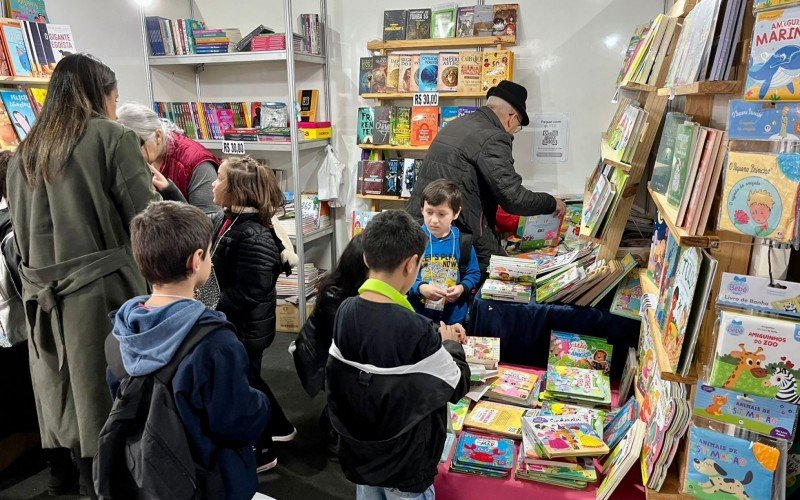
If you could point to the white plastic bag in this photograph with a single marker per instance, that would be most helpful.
(329, 179)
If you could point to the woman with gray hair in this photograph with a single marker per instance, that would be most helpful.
(189, 165)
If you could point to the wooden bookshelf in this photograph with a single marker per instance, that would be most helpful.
(666, 371)
(610, 157)
(442, 43)
(409, 95)
(24, 80)
(638, 87)
(681, 236)
(387, 147)
(380, 197)
(723, 87)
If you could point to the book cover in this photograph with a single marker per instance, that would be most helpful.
(620, 460)
(414, 84)
(771, 75)
(419, 24)
(458, 413)
(400, 118)
(424, 125)
(719, 464)
(465, 16)
(482, 20)
(505, 19)
(666, 150)
(680, 303)
(622, 421)
(485, 451)
(498, 65)
(448, 72)
(16, 51)
(449, 113)
(382, 124)
(8, 138)
(360, 220)
(639, 34)
(753, 121)
(685, 146)
(365, 75)
(513, 386)
(5, 69)
(392, 73)
(629, 371)
(19, 111)
(577, 383)
(759, 195)
(483, 351)
(27, 10)
(497, 418)
(308, 104)
(404, 82)
(539, 231)
(61, 41)
(469, 71)
(628, 298)
(374, 172)
(379, 73)
(671, 257)
(428, 72)
(557, 436)
(580, 351)
(34, 47)
(758, 293)
(757, 355)
(394, 172)
(394, 24)
(225, 119)
(49, 62)
(409, 176)
(366, 124)
(443, 20)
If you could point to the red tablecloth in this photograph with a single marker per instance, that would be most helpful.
(455, 486)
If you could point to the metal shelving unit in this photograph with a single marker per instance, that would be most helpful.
(288, 58)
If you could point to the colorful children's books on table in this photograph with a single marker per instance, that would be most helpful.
(621, 459)
(483, 351)
(722, 466)
(483, 455)
(595, 416)
(581, 351)
(622, 421)
(512, 269)
(458, 412)
(538, 231)
(496, 418)
(627, 299)
(514, 387)
(565, 436)
(506, 291)
(568, 472)
(579, 385)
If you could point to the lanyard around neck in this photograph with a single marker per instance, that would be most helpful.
(385, 289)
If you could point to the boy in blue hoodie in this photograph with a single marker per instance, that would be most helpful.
(222, 415)
(447, 278)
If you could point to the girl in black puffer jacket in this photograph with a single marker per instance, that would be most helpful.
(247, 262)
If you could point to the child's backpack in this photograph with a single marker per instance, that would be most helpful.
(13, 325)
(143, 451)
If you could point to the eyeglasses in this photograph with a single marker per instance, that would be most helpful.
(519, 121)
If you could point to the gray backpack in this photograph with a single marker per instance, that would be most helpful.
(13, 326)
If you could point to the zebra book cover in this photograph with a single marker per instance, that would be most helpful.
(757, 355)
(765, 416)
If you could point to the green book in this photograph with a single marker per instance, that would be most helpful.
(666, 151)
(401, 126)
(681, 162)
(443, 20)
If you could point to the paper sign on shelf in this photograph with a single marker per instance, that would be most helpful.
(550, 138)
(233, 148)
(426, 99)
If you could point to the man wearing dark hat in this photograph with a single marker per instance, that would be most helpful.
(474, 151)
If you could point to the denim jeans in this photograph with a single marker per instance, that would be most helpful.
(377, 493)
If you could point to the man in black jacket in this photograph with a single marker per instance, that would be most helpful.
(474, 151)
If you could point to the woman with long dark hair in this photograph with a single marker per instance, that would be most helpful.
(74, 185)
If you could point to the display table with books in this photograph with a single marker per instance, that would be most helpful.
(524, 329)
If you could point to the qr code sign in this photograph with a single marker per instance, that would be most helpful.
(550, 137)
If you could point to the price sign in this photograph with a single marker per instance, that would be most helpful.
(426, 99)
(233, 147)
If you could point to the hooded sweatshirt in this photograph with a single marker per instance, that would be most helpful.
(439, 264)
(222, 415)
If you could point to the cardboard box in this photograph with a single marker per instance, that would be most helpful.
(287, 317)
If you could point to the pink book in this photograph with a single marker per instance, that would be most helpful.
(704, 172)
(225, 119)
(712, 186)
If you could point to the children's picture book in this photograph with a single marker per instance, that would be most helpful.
(394, 24)
(759, 195)
(428, 72)
(622, 421)
(400, 119)
(465, 19)
(514, 386)
(449, 442)
(448, 72)
(658, 250)
(27, 10)
(483, 455)
(505, 19)
(561, 436)
(621, 459)
(757, 355)
(667, 281)
(61, 41)
(580, 351)
(627, 299)
(722, 466)
(577, 383)
(17, 53)
(685, 145)
(19, 111)
(702, 295)
(766, 416)
(366, 124)
(759, 293)
(680, 298)
(497, 418)
(380, 68)
(770, 74)
(365, 75)
(666, 151)
(539, 231)
(419, 24)
(424, 125)
(498, 65)
(443, 20)
(508, 291)
(360, 220)
(758, 121)
(8, 138)
(483, 351)
(469, 71)
(458, 413)
(382, 124)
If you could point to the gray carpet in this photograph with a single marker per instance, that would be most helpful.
(304, 471)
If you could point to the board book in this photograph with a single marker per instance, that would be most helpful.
(560, 436)
(538, 231)
(581, 351)
(483, 351)
(497, 418)
(771, 76)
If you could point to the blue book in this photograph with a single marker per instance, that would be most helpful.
(722, 466)
(428, 72)
(154, 36)
(622, 421)
(484, 452)
(758, 121)
(17, 53)
(449, 113)
(19, 110)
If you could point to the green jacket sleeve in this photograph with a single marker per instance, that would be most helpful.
(132, 185)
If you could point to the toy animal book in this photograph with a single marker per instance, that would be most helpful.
(773, 66)
(580, 351)
(722, 466)
(560, 436)
(757, 355)
(759, 196)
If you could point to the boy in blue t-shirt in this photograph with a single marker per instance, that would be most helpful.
(447, 278)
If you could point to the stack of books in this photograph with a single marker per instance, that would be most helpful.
(216, 40)
(628, 123)
(275, 41)
(510, 279)
(483, 352)
(645, 62)
(496, 418)
(311, 32)
(578, 370)
(315, 214)
(603, 195)
(515, 387)
(483, 456)
(286, 286)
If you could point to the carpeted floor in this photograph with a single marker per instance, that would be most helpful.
(304, 471)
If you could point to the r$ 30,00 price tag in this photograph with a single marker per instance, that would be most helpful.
(233, 148)
(426, 99)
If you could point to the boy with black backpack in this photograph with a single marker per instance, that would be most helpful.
(184, 374)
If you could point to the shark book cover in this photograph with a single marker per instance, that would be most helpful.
(774, 65)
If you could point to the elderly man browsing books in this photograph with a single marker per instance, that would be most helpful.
(474, 151)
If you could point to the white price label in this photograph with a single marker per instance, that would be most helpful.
(426, 99)
(233, 148)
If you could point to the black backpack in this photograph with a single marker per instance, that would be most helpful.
(142, 451)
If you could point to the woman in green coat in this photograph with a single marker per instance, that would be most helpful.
(74, 184)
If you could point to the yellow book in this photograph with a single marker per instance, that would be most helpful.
(498, 65)
(759, 197)
(469, 72)
(496, 418)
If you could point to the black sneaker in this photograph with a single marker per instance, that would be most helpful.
(63, 473)
(265, 460)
